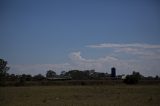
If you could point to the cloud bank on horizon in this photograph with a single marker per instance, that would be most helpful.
(144, 58)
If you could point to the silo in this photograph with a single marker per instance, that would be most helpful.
(113, 72)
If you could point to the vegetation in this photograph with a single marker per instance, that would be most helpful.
(119, 95)
(107, 89)
(72, 77)
(3, 71)
(50, 74)
(133, 79)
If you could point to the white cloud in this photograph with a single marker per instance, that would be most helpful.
(76, 56)
(145, 66)
(77, 62)
(144, 58)
(137, 45)
(145, 51)
(102, 64)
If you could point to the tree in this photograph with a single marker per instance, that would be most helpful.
(78, 75)
(50, 74)
(3, 71)
(12, 77)
(22, 79)
(133, 79)
(26, 77)
(3, 67)
(38, 77)
(137, 74)
(156, 77)
(63, 73)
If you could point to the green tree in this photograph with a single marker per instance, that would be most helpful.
(22, 80)
(133, 79)
(78, 75)
(50, 74)
(38, 77)
(137, 75)
(156, 77)
(3, 71)
(28, 77)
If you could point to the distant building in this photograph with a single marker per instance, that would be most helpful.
(113, 72)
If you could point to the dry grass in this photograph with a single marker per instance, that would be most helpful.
(119, 95)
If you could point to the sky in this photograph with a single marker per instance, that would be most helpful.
(38, 35)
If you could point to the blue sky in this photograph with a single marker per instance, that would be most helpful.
(67, 34)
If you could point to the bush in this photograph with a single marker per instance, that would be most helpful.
(131, 79)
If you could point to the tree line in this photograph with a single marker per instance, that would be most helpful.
(70, 75)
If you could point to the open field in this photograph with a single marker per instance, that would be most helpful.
(111, 95)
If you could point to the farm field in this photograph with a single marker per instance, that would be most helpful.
(108, 95)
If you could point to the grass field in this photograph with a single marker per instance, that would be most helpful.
(111, 95)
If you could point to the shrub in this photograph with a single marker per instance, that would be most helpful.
(131, 79)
